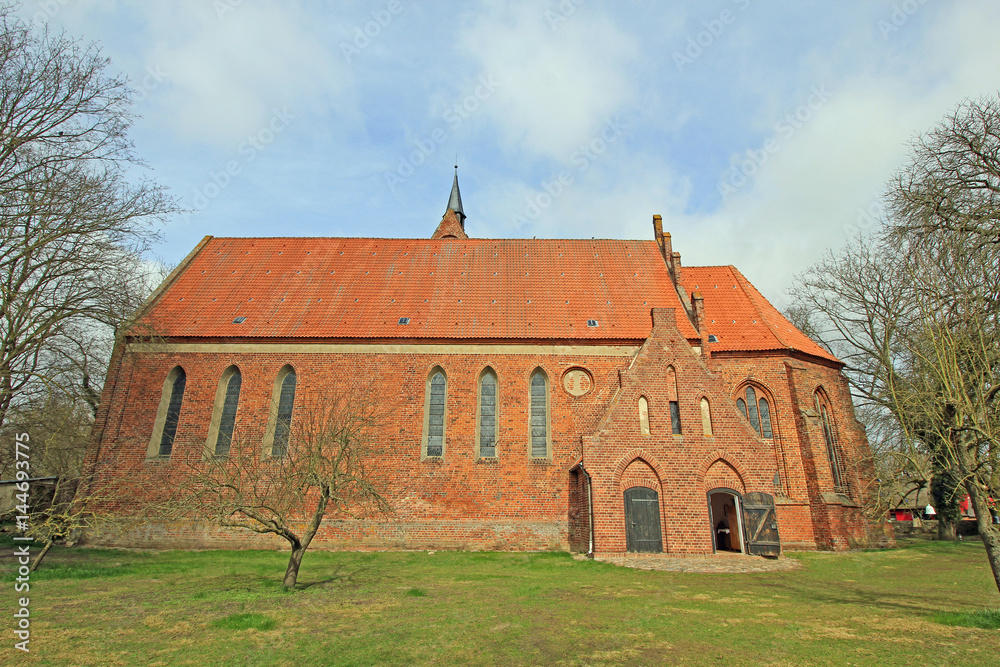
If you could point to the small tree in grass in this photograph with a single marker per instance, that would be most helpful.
(323, 468)
(74, 508)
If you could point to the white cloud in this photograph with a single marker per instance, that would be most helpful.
(560, 79)
(827, 175)
(228, 71)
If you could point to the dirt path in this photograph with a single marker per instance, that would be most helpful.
(720, 563)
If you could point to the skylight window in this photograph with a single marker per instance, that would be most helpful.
(240, 320)
(712, 338)
(404, 320)
(592, 323)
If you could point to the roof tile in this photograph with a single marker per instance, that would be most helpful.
(741, 318)
(451, 288)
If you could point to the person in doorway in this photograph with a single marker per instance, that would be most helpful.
(722, 536)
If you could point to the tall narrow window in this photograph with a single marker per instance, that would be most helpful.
(706, 417)
(437, 388)
(539, 414)
(765, 418)
(487, 414)
(643, 415)
(832, 446)
(675, 418)
(168, 414)
(227, 401)
(675, 408)
(283, 417)
(753, 416)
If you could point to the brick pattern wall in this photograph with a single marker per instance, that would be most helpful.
(516, 502)
(512, 502)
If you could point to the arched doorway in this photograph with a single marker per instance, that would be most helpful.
(726, 519)
(642, 520)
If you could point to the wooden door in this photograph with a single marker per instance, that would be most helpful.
(761, 525)
(642, 520)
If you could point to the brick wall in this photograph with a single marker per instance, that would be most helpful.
(516, 502)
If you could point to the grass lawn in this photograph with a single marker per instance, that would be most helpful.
(115, 607)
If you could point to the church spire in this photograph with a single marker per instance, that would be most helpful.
(452, 225)
(455, 200)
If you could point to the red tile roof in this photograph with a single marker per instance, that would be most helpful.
(740, 317)
(459, 289)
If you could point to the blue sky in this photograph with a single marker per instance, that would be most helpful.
(762, 132)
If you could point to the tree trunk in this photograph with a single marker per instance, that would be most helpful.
(988, 531)
(292, 572)
(39, 557)
(299, 546)
(945, 496)
(946, 530)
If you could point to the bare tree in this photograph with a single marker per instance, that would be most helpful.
(74, 509)
(915, 309)
(60, 432)
(70, 215)
(325, 469)
(952, 183)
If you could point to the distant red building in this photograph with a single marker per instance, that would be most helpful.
(591, 395)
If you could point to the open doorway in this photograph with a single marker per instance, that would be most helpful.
(727, 520)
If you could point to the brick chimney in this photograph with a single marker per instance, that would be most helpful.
(698, 306)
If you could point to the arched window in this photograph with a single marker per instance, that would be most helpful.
(837, 470)
(675, 408)
(227, 401)
(168, 414)
(706, 416)
(283, 407)
(539, 390)
(757, 412)
(643, 415)
(434, 408)
(487, 414)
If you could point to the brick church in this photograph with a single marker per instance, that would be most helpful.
(585, 395)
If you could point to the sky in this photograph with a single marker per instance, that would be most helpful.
(762, 132)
